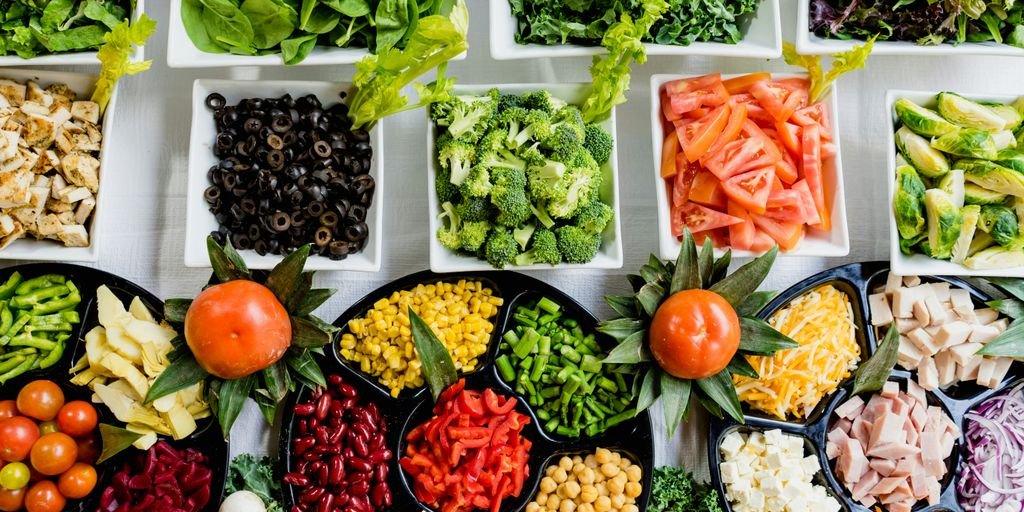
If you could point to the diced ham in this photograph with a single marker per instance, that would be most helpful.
(919, 416)
(909, 355)
(894, 451)
(883, 467)
(881, 313)
(901, 506)
(851, 408)
(917, 392)
(948, 441)
(919, 481)
(887, 485)
(905, 467)
(931, 453)
(934, 491)
(861, 430)
(852, 463)
(890, 389)
(986, 316)
(901, 494)
(864, 485)
(946, 367)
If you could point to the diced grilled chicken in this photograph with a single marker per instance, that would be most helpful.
(13, 91)
(87, 111)
(74, 235)
(82, 170)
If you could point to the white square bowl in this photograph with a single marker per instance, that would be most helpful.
(443, 259)
(919, 264)
(200, 222)
(181, 53)
(73, 58)
(761, 39)
(809, 43)
(815, 243)
(48, 250)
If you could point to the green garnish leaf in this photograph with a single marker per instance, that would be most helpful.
(650, 297)
(740, 366)
(176, 309)
(286, 279)
(874, 373)
(687, 273)
(438, 367)
(115, 440)
(720, 389)
(620, 328)
(247, 473)
(303, 364)
(706, 262)
(1014, 287)
(755, 302)
(721, 267)
(674, 489)
(226, 262)
(630, 351)
(737, 287)
(843, 62)
(312, 300)
(231, 396)
(649, 391)
(759, 338)
(311, 332)
(183, 372)
(675, 394)
(115, 56)
(1012, 308)
(1008, 344)
(623, 305)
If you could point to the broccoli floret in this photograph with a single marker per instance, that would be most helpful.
(535, 125)
(501, 248)
(531, 154)
(537, 100)
(473, 234)
(576, 244)
(544, 180)
(541, 212)
(508, 195)
(474, 209)
(501, 159)
(477, 183)
(467, 117)
(598, 142)
(457, 157)
(446, 192)
(509, 101)
(543, 250)
(523, 233)
(581, 183)
(594, 217)
(448, 233)
(570, 118)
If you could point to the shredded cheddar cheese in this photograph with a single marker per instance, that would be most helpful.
(793, 382)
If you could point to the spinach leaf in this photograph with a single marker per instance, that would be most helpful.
(227, 24)
(192, 17)
(322, 20)
(296, 49)
(392, 20)
(272, 21)
(33, 27)
(350, 8)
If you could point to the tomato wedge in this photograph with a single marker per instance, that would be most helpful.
(695, 137)
(669, 149)
(789, 135)
(737, 118)
(751, 189)
(666, 108)
(785, 169)
(697, 114)
(741, 234)
(762, 242)
(811, 170)
(776, 182)
(754, 110)
(807, 202)
(702, 218)
(786, 206)
(692, 93)
(778, 99)
(786, 234)
(707, 190)
(742, 83)
(683, 180)
(815, 114)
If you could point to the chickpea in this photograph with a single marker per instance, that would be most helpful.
(603, 455)
(577, 459)
(553, 502)
(578, 467)
(618, 501)
(565, 463)
(541, 499)
(616, 458)
(567, 506)
(630, 508)
(571, 488)
(586, 476)
(533, 507)
(615, 486)
(633, 489)
(634, 473)
(586, 507)
(609, 470)
(603, 504)
(625, 463)
(559, 475)
(550, 470)
(602, 490)
(547, 485)
(588, 494)
(591, 462)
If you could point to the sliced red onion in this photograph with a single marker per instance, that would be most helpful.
(992, 474)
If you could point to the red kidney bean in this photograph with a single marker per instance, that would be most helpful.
(303, 444)
(347, 390)
(334, 379)
(347, 403)
(360, 430)
(296, 479)
(378, 495)
(296, 508)
(341, 499)
(326, 503)
(359, 446)
(359, 488)
(380, 456)
(303, 409)
(312, 495)
(360, 465)
(337, 470)
(380, 473)
(323, 475)
(323, 406)
(313, 423)
(322, 435)
(335, 409)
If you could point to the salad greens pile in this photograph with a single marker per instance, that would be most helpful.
(247, 473)
(29, 28)
(294, 27)
(925, 22)
(676, 490)
(586, 22)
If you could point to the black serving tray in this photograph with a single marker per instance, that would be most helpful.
(858, 280)
(206, 438)
(633, 438)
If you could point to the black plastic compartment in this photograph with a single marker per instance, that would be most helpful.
(412, 407)
(206, 438)
(956, 400)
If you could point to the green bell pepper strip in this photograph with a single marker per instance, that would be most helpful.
(9, 287)
(54, 355)
(39, 295)
(6, 318)
(55, 305)
(33, 341)
(25, 366)
(38, 282)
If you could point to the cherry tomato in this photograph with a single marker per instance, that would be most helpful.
(77, 418)
(54, 453)
(237, 328)
(14, 476)
(40, 399)
(44, 497)
(8, 409)
(48, 427)
(11, 501)
(77, 482)
(17, 435)
(694, 334)
(89, 449)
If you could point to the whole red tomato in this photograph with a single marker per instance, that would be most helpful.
(8, 409)
(237, 328)
(12, 501)
(77, 418)
(54, 453)
(694, 334)
(77, 482)
(40, 399)
(44, 497)
(17, 435)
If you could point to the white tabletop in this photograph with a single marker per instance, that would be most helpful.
(145, 186)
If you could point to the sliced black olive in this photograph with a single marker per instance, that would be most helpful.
(356, 213)
(241, 241)
(275, 159)
(322, 236)
(361, 184)
(356, 232)
(322, 149)
(248, 205)
(217, 237)
(253, 231)
(281, 124)
(260, 246)
(315, 209)
(281, 221)
(275, 141)
(216, 101)
(329, 219)
(253, 125)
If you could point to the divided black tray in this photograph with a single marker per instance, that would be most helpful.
(858, 280)
(207, 437)
(412, 407)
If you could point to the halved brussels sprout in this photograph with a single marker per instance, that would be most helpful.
(967, 142)
(962, 247)
(981, 242)
(953, 184)
(999, 222)
(1009, 114)
(916, 149)
(944, 223)
(964, 112)
(993, 176)
(922, 121)
(995, 257)
(907, 244)
(906, 202)
(974, 194)
(1004, 140)
(1012, 158)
